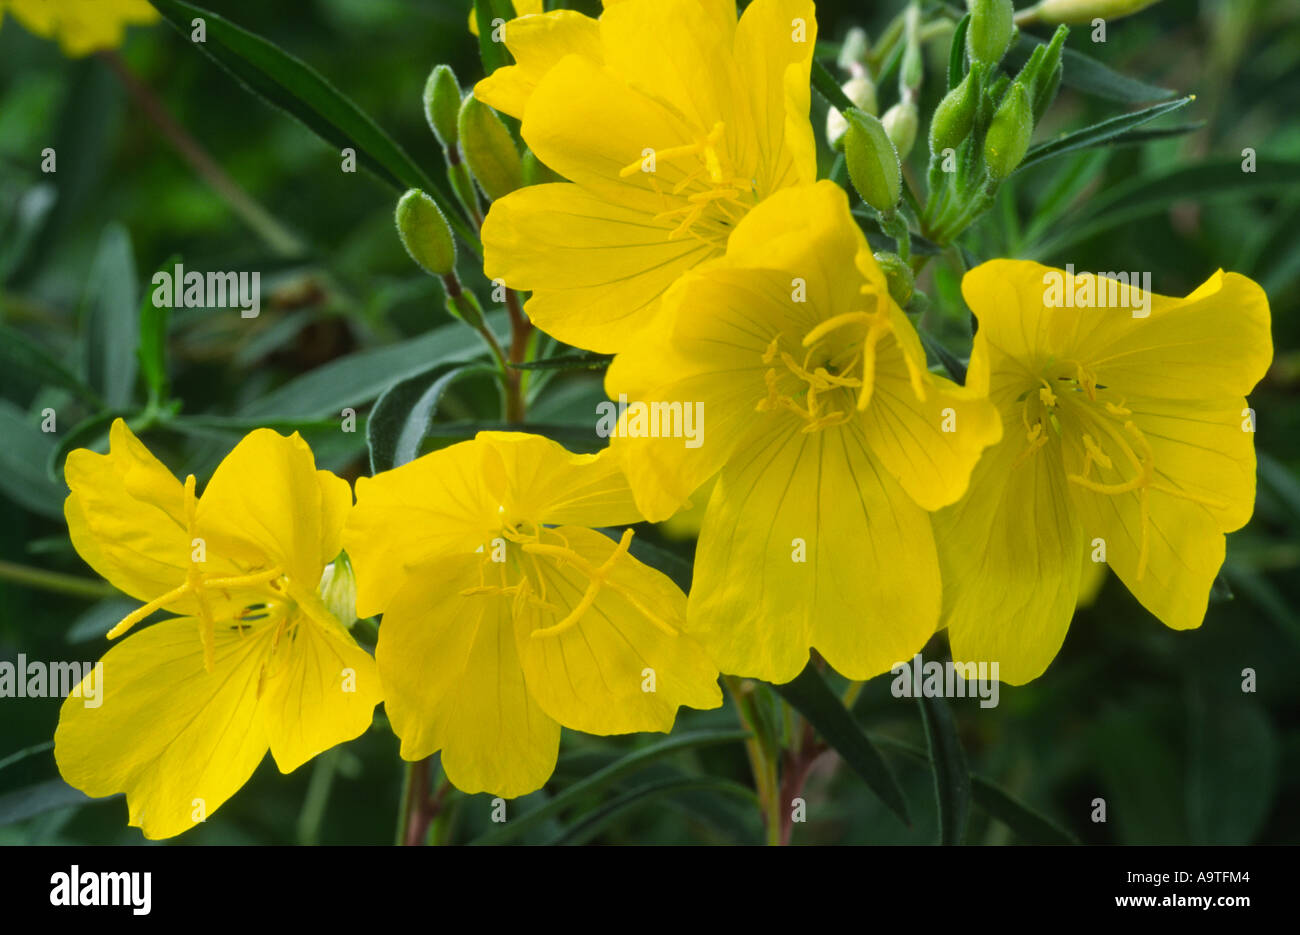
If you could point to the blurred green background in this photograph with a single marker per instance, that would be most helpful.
(1152, 720)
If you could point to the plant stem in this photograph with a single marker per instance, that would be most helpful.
(54, 581)
(278, 237)
(419, 808)
(520, 329)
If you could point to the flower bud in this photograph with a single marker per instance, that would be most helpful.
(425, 233)
(955, 114)
(338, 590)
(1008, 136)
(991, 27)
(1048, 80)
(442, 104)
(1075, 12)
(854, 51)
(862, 92)
(489, 149)
(901, 282)
(900, 123)
(872, 162)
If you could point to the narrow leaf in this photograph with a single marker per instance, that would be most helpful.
(1089, 76)
(111, 327)
(610, 774)
(19, 354)
(301, 91)
(1101, 133)
(595, 822)
(813, 698)
(400, 419)
(584, 360)
(952, 785)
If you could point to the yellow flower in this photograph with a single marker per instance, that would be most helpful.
(1126, 437)
(254, 659)
(81, 26)
(505, 618)
(671, 121)
(832, 439)
(521, 7)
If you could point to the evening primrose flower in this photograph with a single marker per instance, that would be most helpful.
(81, 26)
(671, 121)
(830, 438)
(253, 658)
(1127, 438)
(505, 617)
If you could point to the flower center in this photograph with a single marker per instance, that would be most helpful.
(1117, 457)
(710, 198)
(835, 377)
(266, 592)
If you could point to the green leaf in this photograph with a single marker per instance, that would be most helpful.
(23, 754)
(1281, 482)
(956, 369)
(595, 822)
(1101, 134)
(583, 360)
(1086, 74)
(824, 83)
(629, 764)
(152, 349)
(29, 217)
(813, 698)
(492, 54)
(360, 378)
(1147, 195)
(1232, 768)
(111, 324)
(22, 459)
(952, 787)
(400, 419)
(299, 90)
(37, 799)
(957, 53)
(1030, 825)
(20, 354)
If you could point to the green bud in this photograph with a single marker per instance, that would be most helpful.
(489, 149)
(425, 233)
(338, 590)
(901, 282)
(900, 123)
(463, 305)
(1075, 12)
(1007, 140)
(535, 171)
(854, 51)
(442, 104)
(990, 30)
(862, 92)
(955, 115)
(872, 162)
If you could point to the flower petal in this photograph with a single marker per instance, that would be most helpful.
(835, 556)
(1012, 554)
(177, 739)
(438, 505)
(591, 673)
(452, 682)
(537, 43)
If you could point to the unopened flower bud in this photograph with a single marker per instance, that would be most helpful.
(854, 51)
(955, 114)
(338, 590)
(442, 104)
(900, 122)
(872, 162)
(1008, 136)
(1074, 12)
(991, 27)
(862, 92)
(425, 233)
(901, 281)
(489, 149)
(1048, 80)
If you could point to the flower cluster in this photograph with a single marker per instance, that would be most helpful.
(857, 501)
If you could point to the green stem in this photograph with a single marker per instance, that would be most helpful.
(54, 581)
(278, 237)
